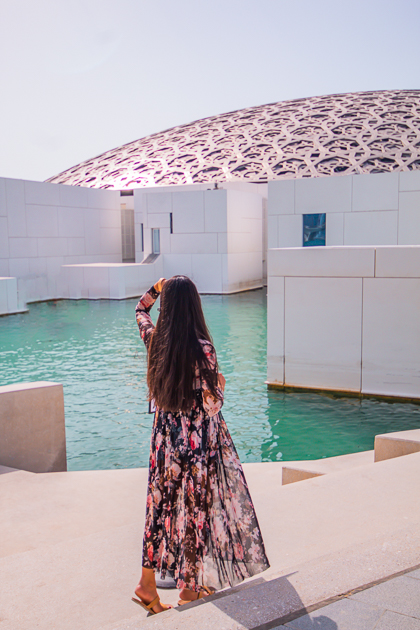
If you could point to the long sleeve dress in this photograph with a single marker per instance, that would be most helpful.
(201, 527)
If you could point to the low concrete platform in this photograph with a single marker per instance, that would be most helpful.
(298, 471)
(72, 556)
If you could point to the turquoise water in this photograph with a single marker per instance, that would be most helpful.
(94, 349)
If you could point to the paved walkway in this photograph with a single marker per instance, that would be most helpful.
(391, 605)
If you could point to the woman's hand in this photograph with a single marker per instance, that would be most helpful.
(159, 284)
(221, 381)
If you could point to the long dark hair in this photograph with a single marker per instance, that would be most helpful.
(175, 349)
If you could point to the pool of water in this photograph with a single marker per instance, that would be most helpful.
(94, 349)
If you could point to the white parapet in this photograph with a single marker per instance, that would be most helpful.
(32, 430)
(10, 299)
(345, 318)
(112, 281)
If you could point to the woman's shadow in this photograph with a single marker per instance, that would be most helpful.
(267, 605)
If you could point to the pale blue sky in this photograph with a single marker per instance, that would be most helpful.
(79, 77)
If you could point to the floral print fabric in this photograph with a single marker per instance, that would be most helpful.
(201, 526)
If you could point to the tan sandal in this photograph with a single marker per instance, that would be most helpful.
(149, 607)
(205, 591)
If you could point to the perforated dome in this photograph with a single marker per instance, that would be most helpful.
(364, 132)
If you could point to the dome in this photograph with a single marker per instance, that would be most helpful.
(341, 134)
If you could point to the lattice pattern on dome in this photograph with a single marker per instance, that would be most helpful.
(365, 132)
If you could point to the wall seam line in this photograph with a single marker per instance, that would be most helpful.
(361, 339)
(284, 330)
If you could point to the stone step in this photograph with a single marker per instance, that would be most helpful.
(396, 444)
(299, 471)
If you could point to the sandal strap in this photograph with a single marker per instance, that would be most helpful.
(153, 603)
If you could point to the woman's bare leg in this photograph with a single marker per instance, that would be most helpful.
(146, 589)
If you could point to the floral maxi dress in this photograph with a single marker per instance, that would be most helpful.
(201, 526)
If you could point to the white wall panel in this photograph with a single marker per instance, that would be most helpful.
(207, 272)
(23, 247)
(71, 222)
(4, 238)
(215, 210)
(391, 337)
(397, 262)
(18, 267)
(371, 228)
(222, 242)
(272, 231)
(275, 330)
(103, 199)
(157, 202)
(290, 231)
(41, 221)
(410, 180)
(334, 229)
(378, 191)
(4, 268)
(15, 197)
(111, 218)
(323, 332)
(409, 219)
(188, 212)
(92, 221)
(177, 265)
(111, 241)
(322, 262)
(3, 202)
(158, 220)
(281, 197)
(193, 243)
(244, 242)
(52, 247)
(42, 193)
(323, 194)
(244, 271)
(73, 196)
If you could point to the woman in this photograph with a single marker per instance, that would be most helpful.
(201, 527)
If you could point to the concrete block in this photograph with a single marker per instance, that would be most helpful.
(281, 197)
(32, 427)
(176, 265)
(245, 242)
(207, 272)
(391, 326)
(334, 229)
(353, 262)
(323, 343)
(409, 219)
(398, 262)
(158, 202)
(3, 200)
(290, 231)
(4, 238)
(73, 279)
(275, 330)
(215, 210)
(300, 471)
(244, 271)
(188, 212)
(4, 305)
(13, 305)
(4, 267)
(73, 196)
(16, 208)
(371, 228)
(323, 194)
(42, 193)
(42, 221)
(71, 222)
(23, 247)
(193, 243)
(409, 180)
(396, 444)
(377, 191)
(96, 281)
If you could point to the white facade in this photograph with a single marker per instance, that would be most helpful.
(345, 318)
(374, 209)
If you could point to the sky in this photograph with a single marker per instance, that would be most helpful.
(80, 77)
